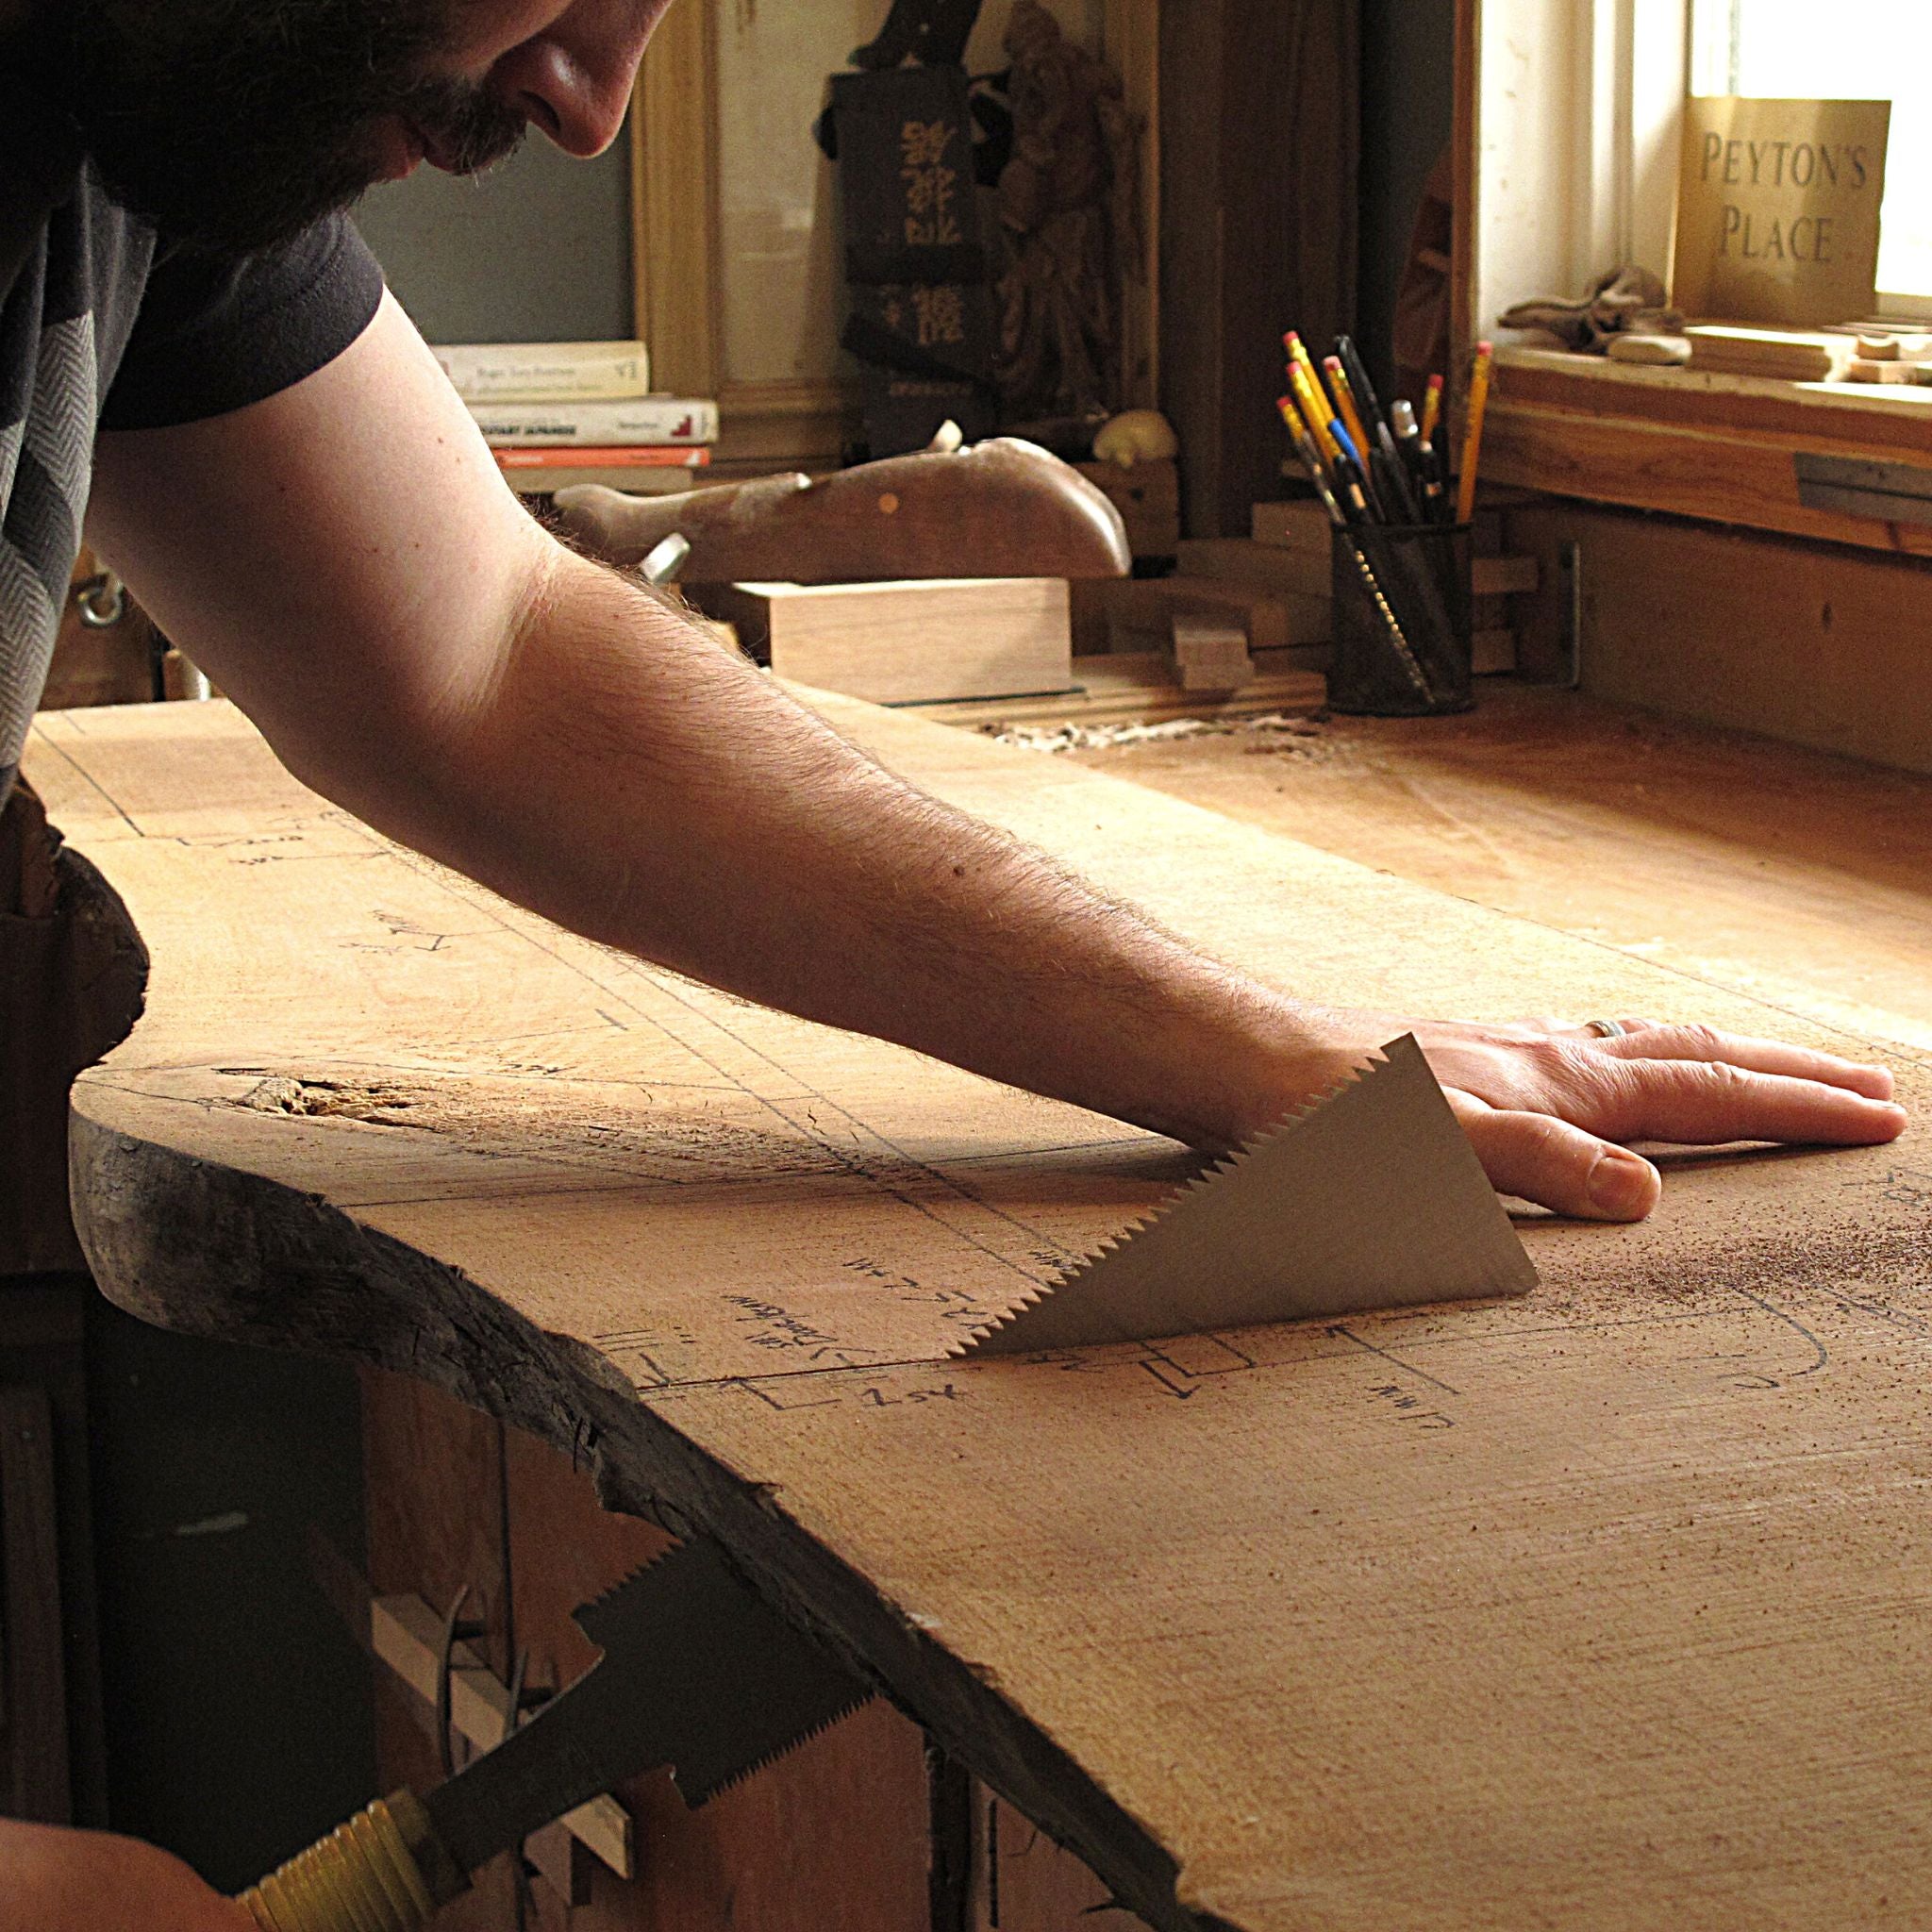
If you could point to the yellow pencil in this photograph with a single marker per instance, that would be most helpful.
(1307, 448)
(1432, 410)
(1299, 359)
(1472, 434)
(1317, 413)
(1345, 403)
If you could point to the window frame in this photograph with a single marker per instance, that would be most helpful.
(1571, 113)
(1894, 305)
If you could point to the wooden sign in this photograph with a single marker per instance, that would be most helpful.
(906, 176)
(1777, 209)
(921, 317)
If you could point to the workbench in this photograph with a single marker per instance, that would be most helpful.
(1606, 1607)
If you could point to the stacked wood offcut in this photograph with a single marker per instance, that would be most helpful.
(1779, 355)
(1234, 609)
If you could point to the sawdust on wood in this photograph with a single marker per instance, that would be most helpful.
(643, 1135)
(1274, 731)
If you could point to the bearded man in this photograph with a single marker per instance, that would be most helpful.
(197, 357)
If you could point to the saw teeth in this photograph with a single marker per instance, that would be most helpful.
(1032, 1299)
(596, 1606)
(1416, 1082)
(704, 1796)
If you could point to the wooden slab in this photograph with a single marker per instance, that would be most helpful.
(1306, 570)
(1605, 1607)
(1302, 525)
(908, 641)
(1139, 612)
(1139, 688)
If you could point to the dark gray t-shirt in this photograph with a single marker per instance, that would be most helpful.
(104, 327)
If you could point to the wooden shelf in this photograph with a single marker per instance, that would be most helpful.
(1717, 447)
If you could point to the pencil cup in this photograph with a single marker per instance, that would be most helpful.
(1402, 620)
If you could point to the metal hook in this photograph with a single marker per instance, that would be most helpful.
(512, 1716)
(519, 1671)
(101, 599)
(455, 1629)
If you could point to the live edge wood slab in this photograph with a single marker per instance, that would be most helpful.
(1605, 1607)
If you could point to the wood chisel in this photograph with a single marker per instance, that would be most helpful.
(698, 1673)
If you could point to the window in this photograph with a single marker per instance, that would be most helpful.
(1782, 50)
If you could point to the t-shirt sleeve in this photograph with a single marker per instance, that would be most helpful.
(216, 334)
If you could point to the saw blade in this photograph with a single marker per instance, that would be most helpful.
(698, 1673)
(1371, 1197)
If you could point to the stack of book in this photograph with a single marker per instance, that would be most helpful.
(558, 413)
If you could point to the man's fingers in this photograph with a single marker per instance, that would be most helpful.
(1705, 1103)
(1759, 1056)
(1543, 1159)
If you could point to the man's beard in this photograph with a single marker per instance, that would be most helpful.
(231, 125)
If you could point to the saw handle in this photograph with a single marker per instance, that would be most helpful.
(384, 1870)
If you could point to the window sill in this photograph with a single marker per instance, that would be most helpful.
(1717, 447)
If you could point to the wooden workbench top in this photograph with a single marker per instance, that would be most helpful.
(1801, 879)
(1604, 1608)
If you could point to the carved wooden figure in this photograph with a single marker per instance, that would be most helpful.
(1060, 202)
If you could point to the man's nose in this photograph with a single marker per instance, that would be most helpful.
(577, 96)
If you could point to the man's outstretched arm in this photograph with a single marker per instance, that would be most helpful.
(347, 563)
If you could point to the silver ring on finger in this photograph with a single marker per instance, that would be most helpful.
(1607, 1029)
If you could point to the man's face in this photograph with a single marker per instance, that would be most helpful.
(232, 124)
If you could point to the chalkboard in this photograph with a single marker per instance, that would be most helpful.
(537, 251)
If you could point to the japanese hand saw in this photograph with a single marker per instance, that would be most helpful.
(1371, 1197)
(697, 1672)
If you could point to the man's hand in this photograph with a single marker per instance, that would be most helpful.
(52, 1880)
(1547, 1102)
(347, 562)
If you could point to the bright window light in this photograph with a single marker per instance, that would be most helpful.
(1782, 50)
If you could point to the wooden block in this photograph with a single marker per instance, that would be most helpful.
(1301, 523)
(1790, 355)
(1216, 676)
(1273, 620)
(1148, 496)
(1210, 652)
(1142, 688)
(1201, 634)
(905, 643)
(1650, 352)
(1913, 374)
(1272, 567)
(1505, 576)
(1491, 651)
(408, 1636)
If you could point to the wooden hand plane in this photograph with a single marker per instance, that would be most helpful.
(1002, 509)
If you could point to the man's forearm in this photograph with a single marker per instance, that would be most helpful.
(621, 773)
(415, 647)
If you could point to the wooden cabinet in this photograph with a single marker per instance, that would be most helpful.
(861, 1827)
(52, 1765)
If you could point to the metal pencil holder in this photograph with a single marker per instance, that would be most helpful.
(1402, 620)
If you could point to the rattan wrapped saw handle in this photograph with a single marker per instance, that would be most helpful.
(384, 1870)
